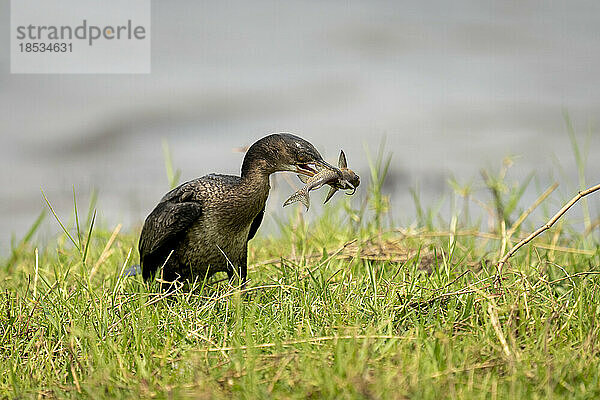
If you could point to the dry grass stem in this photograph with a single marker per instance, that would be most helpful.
(498, 329)
(309, 340)
(106, 251)
(527, 212)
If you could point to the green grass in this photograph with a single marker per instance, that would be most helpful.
(350, 306)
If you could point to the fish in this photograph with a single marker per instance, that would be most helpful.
(348, 180)
(311, 183)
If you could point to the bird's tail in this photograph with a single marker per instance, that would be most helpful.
(132, 271)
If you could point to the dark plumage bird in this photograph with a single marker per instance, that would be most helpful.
(203, 226)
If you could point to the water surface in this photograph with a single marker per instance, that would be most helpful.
(452, 86)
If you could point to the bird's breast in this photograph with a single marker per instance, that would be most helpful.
(221, 233)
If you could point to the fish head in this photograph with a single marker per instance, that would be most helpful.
(351, 179)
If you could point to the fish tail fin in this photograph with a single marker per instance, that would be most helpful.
(305, 199)
(301, 195)
(330, 194)
(289, 201)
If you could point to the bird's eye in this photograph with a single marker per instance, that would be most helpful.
(303, 157)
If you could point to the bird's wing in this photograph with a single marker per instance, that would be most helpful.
(163, 227)
(256, 223)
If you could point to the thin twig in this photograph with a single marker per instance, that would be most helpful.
(545, 227)
(570, 277)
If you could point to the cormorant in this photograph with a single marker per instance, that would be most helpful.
(203, 226)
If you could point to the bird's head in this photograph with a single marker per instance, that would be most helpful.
(285, 152)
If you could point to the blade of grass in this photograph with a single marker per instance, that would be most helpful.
(91, 206)
(76, 217)
(65, 230)
(34, 227)
(32, 230)
(172, 174)
(89, 237)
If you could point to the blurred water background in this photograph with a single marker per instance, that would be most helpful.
(452, 86)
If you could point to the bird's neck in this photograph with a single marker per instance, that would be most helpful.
(247, 198)
(256, 181)
(259, 161)
(258, 165)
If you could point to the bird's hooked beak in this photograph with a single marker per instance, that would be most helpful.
(312, 168)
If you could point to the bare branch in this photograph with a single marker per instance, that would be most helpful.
(546, 226)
